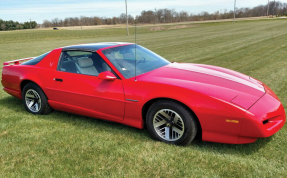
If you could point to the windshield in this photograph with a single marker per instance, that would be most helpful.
(123, 58)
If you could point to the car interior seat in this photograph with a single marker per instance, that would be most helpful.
(86, 66)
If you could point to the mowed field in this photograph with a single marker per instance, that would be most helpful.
(67, 145)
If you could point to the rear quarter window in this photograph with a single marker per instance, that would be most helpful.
(36, 60)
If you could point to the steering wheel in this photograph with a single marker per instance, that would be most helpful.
(142, 58)
(70, 57)
(67, 57)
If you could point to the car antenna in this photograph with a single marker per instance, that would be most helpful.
(135, 50)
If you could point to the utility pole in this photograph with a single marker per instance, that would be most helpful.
(234, 11)
(155, 16)
(273, 8)
(127, 18)
(81, 22)
(268, 9)
(30, 23)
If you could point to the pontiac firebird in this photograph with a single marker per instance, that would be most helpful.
(128, 84)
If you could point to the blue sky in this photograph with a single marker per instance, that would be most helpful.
(39, 10)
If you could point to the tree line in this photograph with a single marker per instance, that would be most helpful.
(86, 21)
(153, 16)
(170, 15)
(11, 25)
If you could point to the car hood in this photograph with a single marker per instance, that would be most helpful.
(217, 82)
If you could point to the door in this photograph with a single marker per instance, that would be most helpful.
(76, 87)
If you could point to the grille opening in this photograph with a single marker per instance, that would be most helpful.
(265, 122)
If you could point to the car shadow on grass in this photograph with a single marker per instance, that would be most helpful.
(237, 149)
(12, 103)
(83, 122)
(15, 105)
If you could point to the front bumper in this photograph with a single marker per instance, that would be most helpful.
(263, 119)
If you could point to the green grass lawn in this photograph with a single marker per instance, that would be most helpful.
(67, 145)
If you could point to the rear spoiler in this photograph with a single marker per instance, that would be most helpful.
(17, 62)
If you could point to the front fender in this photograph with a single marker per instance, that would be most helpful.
(214, 114)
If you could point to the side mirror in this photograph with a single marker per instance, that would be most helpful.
(107, 75)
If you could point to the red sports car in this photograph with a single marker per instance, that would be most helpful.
(127, 83)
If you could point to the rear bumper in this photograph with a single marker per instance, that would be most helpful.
(15, 93)
(264, 118)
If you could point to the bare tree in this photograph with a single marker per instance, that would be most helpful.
(183, 16)
(3, 26)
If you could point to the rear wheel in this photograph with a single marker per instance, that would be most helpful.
(35, 100)
(170, 122)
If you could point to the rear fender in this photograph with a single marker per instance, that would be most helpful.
(13, 77)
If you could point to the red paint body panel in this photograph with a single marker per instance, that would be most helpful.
(230, 106)
(15, 93)
(87, 92)
(266, 108)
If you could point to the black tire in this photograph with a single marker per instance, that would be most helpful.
(185, 124)
(33, 94)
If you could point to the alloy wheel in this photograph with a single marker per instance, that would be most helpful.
(33, 100)
(168, 125)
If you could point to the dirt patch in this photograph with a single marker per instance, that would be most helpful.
(171, 28)
(156, 28)
(4, 133)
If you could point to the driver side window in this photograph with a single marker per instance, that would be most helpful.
(82, 62)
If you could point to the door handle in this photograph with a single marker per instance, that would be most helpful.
(58, 80)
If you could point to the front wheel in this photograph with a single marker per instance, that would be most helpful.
(35, 100)
(170, 122)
